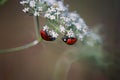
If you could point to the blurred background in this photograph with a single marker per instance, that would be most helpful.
(38, 62)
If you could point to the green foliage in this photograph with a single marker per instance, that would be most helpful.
(2, 2)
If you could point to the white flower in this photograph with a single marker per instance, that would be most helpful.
(67, 19)
(52, 17)
(52, 9)
(74, 16)
(23, 2)
(45, 28)
(57, 13)
(62, 18)
(53, 34)
(62, 29)
(26, 10)
(36, 13)
(81, 21)
(70, 33)
(78, 26)
(40, 9)
(47, 15)
(61, 6)
(32, 3)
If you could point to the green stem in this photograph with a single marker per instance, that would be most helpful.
(19, 48)
(37, 26)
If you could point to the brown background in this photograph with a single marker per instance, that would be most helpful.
(37, 63)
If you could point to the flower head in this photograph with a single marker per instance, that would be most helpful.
(24, 2)
(36, 13)
(26, 10)
(62, 29)
(59, 19)
(32, 3)
(70, 33)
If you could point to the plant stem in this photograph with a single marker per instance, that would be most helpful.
(19, 48)
(37, 26)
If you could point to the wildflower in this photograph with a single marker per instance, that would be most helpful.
(24, 2)
(45, 28)
(52, 17)
(36, 13)
(40, 9)
(26, 10)
(73, 16)
(62, 29)
(78, 26)
(32, 3)
(53, 34)
(70, 33)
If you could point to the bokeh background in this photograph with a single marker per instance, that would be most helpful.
(38, 62)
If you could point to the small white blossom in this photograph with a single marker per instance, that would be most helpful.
(36, 13)
(62, 29)
(26, 10)
(47, 15)
(40, 9)
(52, 13)
(62, 18)
(84, 30)
(70, 33)
(52, 17)
(24, 2)
(78, 26)
(74, 16)
(67, 19)
(81, 21)
(45, 28)
(53, 34)
(32, 3)
(61, 6)
(57, 13)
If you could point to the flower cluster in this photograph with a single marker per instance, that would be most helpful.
(33, 7)
(53, 13)
(59, 20)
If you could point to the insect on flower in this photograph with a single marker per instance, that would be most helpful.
(59, 18)
(48, 35)
(69, 40)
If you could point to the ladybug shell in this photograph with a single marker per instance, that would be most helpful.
(46, 36)
(69, 41)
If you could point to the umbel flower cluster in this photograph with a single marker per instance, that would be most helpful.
(59, 21)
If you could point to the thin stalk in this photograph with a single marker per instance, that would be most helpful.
(19, 48)
(37, 26)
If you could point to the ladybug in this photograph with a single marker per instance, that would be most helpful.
(69, 40)
(45, 35)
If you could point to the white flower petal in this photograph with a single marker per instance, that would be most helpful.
(32, 3)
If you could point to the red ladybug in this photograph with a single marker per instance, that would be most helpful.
(69, 41)
(46, 36)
